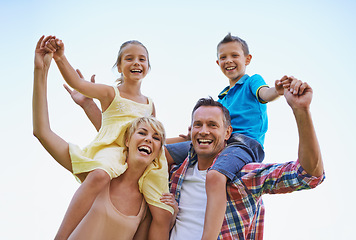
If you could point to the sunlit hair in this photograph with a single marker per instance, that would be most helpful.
(229, 38)
(120, 80)
(210, 102)
(156, 125)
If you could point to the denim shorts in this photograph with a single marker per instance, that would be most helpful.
(240, 150)
(179, 151)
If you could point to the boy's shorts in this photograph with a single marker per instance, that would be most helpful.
(240, 150)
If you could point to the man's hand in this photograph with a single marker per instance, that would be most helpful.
(299, 95)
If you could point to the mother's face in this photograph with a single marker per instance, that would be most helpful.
(144, 145)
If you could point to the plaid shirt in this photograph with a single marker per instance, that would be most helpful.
(244, 216)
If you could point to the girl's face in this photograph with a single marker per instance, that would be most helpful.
(134, 62)
(144, 145)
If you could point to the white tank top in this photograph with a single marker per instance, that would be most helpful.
(192, 205)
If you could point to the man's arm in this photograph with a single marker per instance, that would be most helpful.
(288, 177)
(309, 151)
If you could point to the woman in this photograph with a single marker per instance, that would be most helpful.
(119, 211)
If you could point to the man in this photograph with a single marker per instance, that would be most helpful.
(210, 129)
(244, 216)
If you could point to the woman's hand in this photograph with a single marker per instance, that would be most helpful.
(168, 198)
(43, 57)
(77, 97)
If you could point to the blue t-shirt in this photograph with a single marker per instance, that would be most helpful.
(248, 112)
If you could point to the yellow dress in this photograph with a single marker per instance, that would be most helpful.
(107, 150)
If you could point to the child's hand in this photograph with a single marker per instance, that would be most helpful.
(77, 97)
(56, 46)
(168, 198)
(281, 84)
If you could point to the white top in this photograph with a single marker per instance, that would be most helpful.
(192, 206)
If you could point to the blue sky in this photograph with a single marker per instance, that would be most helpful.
(311, 40)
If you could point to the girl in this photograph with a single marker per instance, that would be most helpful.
(104, 158)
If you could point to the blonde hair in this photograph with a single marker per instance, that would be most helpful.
(120, 80)
(156, 125)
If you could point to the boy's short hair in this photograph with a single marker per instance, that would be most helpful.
(229, 38)
(210, 102)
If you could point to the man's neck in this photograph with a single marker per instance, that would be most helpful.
(205, 163)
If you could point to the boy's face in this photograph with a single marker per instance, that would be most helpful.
(232, 60)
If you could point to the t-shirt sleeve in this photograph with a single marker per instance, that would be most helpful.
(256, 82)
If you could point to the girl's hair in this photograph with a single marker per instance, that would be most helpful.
(151, 121)
(119, 57)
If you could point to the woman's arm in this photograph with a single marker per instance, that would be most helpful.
(56, 146)
(87, 104)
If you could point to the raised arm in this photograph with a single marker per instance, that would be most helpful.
(104, 93)
(87, 104)
(299, 99)
(269, 94)
(55, 145)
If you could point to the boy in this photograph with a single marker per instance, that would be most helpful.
(245, 98)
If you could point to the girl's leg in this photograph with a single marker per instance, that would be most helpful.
(82, 201)
(215, 186)
(160, 225)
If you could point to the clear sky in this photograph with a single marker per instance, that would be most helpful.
(312, 40)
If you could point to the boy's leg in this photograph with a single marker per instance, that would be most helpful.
(177, 152)
(160, 225)
(215, 185)
(82, 201)
(251, 147)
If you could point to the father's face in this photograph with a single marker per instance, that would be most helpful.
(208, 132)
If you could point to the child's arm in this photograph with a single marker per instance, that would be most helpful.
(160, 225)
(104, 93)
(90, 108)
(56, 146)
(269, 94)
